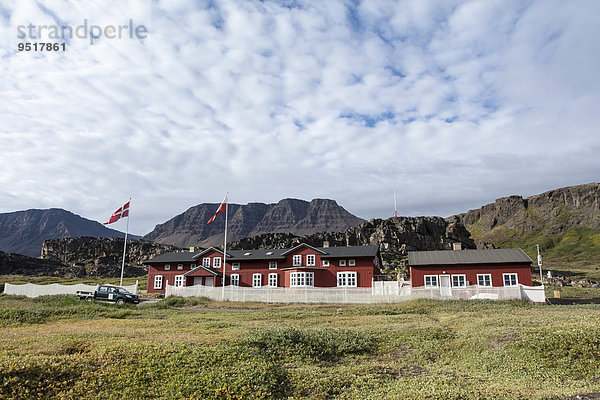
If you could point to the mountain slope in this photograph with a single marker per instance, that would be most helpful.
(288, 215)
(564, 222)
(23, 232)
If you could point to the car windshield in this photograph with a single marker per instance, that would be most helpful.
(123, 291)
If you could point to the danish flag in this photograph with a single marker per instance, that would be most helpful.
(220, 210)
(120, 213)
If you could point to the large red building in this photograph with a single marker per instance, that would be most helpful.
(299, 266)
(461, 268)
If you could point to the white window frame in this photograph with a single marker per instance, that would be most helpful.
(235, 266)
(273, 280)
(458, 276)
(179, 280)
(431, 279)
(179, 267)
(297, 260)
(311, 260)
(325, 263)
(347, 279)
(483, 277)
(158, 281)
(272, 264)
(167, 267)
(505, 275)
(256, 280)
(302, 279)
(342, 263)
(217, 262)
(234, 279)
(351, 263)
(206, 262)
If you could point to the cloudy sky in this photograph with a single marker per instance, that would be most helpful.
(451, 103)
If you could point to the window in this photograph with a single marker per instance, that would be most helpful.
(216, 262)
(302, 279)
(273, 280)
(256, 280)
(158, 279)
(272, 264)
(179, 279)
(459, 280)
(325, 263)
(310, 260)
(206, 262)
(179, 267)
(346, 279)
(235, 266)
(342, 263)
(484, 279)
(431, 281)
(351, 263)
(167, 267)
(235, 279)
(297, 260)
(510, 279)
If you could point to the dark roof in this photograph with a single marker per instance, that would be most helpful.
(326, 252)
(456, 257)
(350, 251)
(174, 257)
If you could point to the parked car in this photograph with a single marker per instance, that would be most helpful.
(110, 293)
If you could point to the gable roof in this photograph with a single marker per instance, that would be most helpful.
(288, 251)
(458, 257)
(199, 268)
(174, 257)
(350, 251)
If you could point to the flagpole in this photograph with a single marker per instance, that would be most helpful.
(125, 244)
(225, 247)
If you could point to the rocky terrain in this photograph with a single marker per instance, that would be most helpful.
(102, 256)
(17, 264)
(24, 231)
(294, 216)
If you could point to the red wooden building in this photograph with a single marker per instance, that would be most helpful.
(461, 268)
(300, 266)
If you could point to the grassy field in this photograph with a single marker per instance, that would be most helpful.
(193, 348)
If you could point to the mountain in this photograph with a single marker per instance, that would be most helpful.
(24, 231)
(288, 215)
(564, 222)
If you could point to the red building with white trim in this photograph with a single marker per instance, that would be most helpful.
(461, 268)
(300, 266)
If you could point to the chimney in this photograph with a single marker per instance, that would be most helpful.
(192, 249)
(457, 246)
(325, 243)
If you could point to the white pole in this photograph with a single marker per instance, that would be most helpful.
(125, 244)
(225, 247)
(539, 260)
(395, 209)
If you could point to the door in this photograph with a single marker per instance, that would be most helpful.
(197, 280)
(445, 290)
(209, 281)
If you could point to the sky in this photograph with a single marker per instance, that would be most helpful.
(452, 104)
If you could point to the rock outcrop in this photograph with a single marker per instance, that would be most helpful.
(18, 264)
(294, 216)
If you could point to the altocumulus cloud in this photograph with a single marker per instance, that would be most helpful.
(452, 104)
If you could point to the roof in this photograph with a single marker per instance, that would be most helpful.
(174, 257)
(350, 251)
(458, 257)
(201, 268)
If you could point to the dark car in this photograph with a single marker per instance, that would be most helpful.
(110, 293)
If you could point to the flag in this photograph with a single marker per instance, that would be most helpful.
(220, 210)
(122, 212)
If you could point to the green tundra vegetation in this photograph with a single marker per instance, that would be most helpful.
(194, 348)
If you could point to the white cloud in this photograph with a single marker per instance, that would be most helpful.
(452, 104)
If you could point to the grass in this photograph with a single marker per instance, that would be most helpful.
(195, 348)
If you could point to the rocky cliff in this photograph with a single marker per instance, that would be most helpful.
(18, 264)
(24, 231)
(396, 236)
(102, 256)
(294, 216)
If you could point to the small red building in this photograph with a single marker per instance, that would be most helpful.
(300, 266)
(461, 268)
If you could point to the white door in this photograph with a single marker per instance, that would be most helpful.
(197, 280)
(209, 281)
(445, 290)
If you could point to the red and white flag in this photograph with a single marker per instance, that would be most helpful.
(120, 213)
(220, 210)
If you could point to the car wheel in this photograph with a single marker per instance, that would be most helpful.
(120, 302)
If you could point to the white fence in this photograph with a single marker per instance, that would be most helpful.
(382, 292)
(32, 290)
